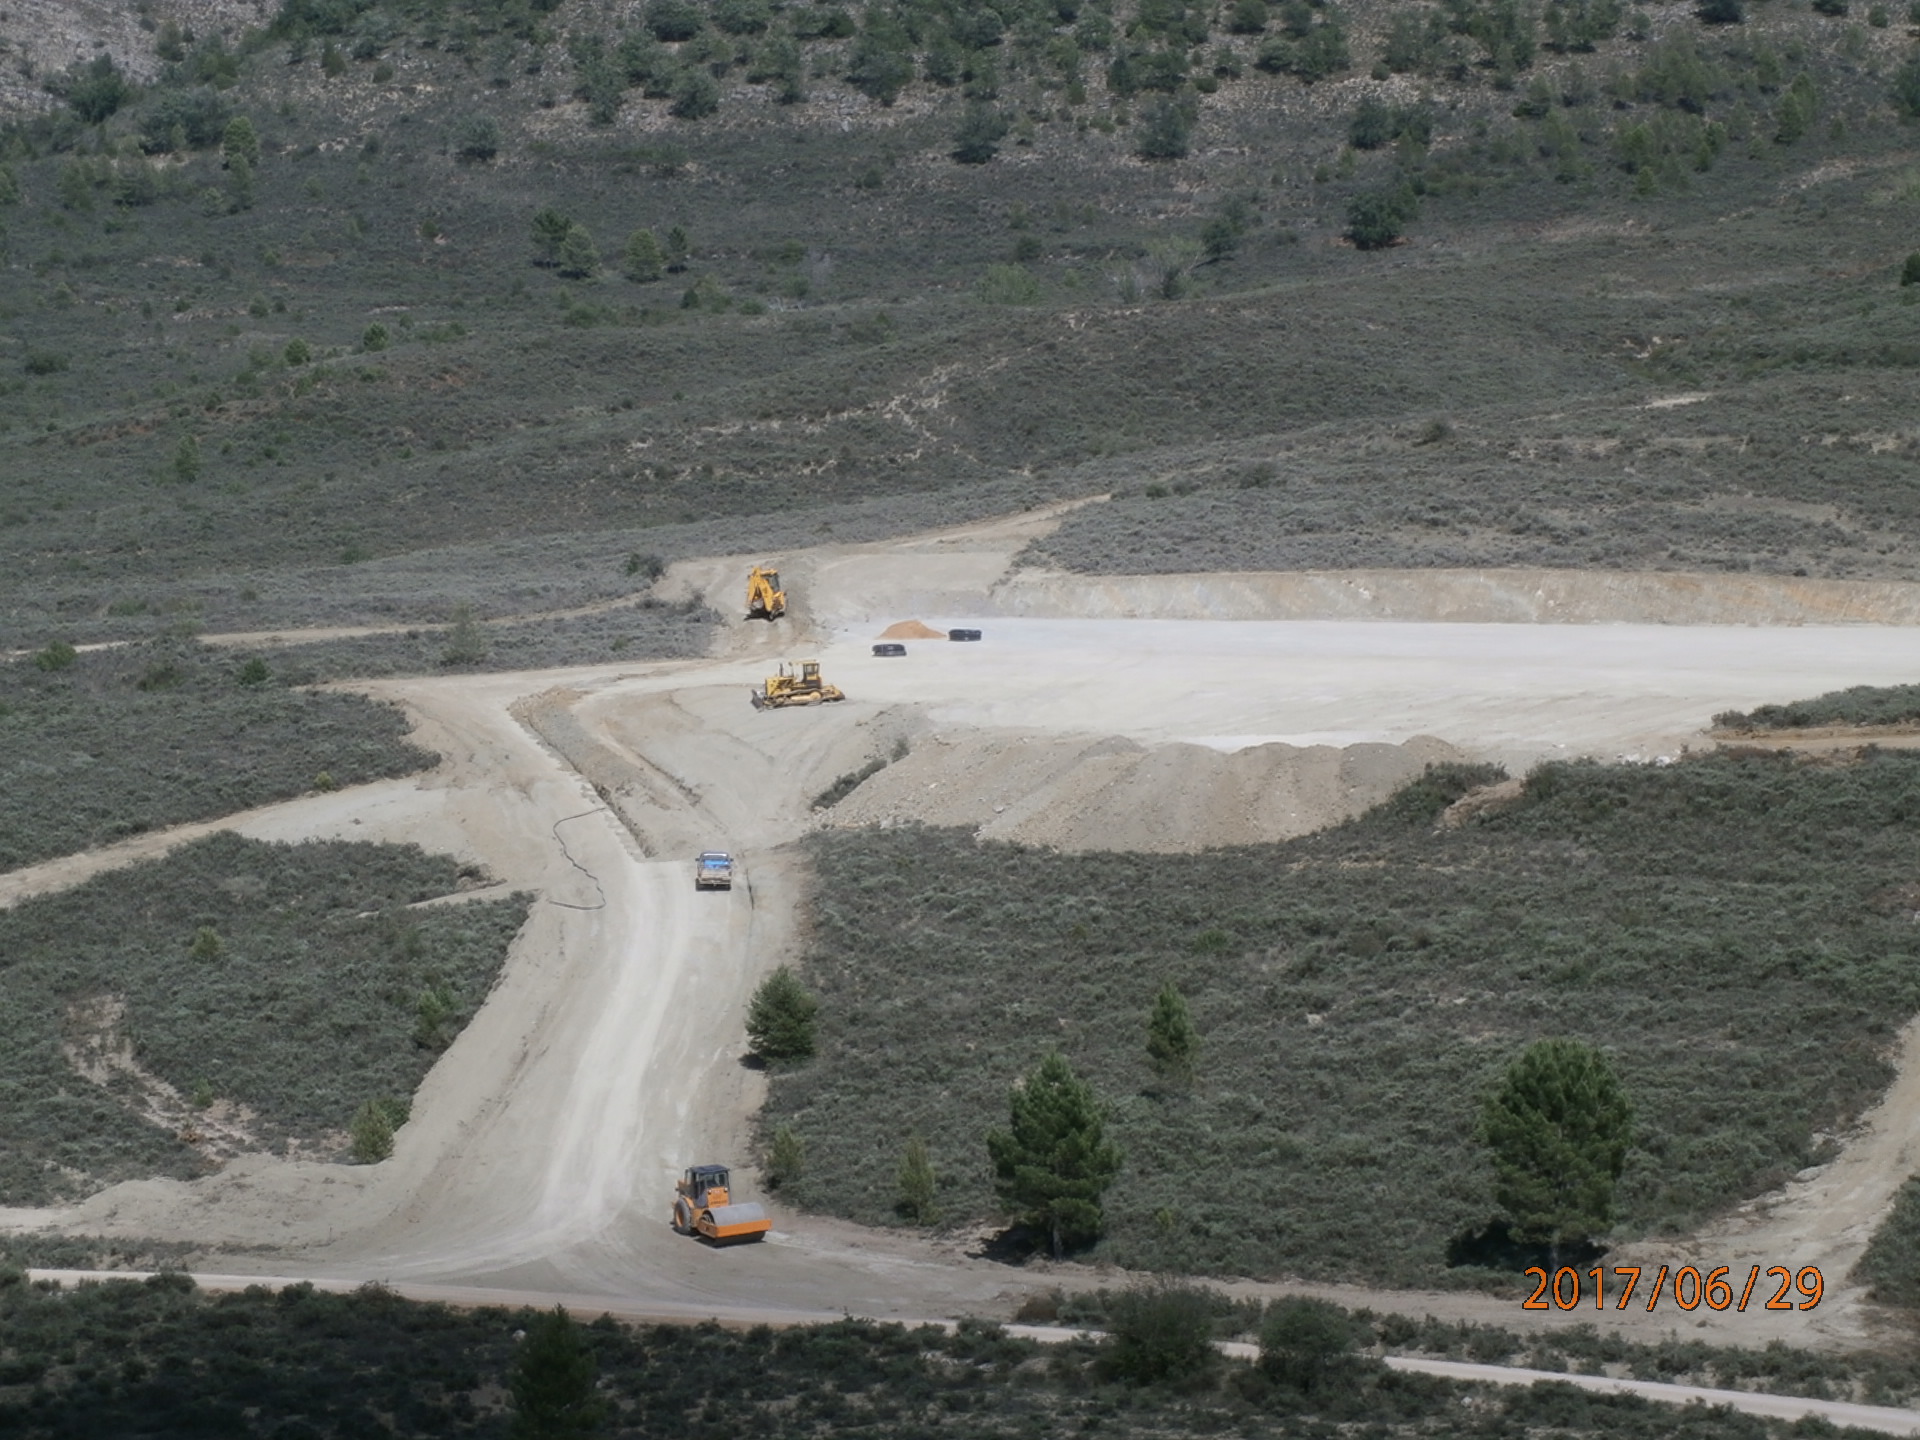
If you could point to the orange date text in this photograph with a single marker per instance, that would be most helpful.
(1686, 1287)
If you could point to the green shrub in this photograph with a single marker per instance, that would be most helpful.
(476, 138)
(696, 95)
(466, 639)
(917, 1184)
(58, 655)
(674, 20)
(846, 784)
(1009, 285)
(184, 120)
(1910, 271)
(1165, 132)
(375, 338)
(786, 1158)
(1160, 1332)
(978, 139)
(95, 90)
(1308, 1344)
(1379, 218)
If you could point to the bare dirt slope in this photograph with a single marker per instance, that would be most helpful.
(543, 1145)
(1108, 793)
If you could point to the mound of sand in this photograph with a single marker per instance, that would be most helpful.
(911, 630)
(1082, 793)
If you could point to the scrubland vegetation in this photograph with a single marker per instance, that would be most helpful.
(1885, 1377)
(1891, 1265)
(284, 336)
(1357, 994)
(159, 1357)
(1859, 705)
(273, 989)
(102, 744)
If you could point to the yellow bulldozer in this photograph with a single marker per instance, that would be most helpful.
(765, 599)
(796, 685)
(703, 1205)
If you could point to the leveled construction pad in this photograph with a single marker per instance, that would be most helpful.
(1514, 693)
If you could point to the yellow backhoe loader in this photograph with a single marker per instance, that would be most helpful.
(796, 687)
(703, 1205)
(765, 599)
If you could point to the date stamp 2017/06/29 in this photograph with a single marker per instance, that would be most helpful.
(1689, 1287)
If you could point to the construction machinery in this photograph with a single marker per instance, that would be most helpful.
(796, 685)
(765, 599)
(713, 871)
(703, 1205)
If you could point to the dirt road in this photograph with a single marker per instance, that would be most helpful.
(542, 1148)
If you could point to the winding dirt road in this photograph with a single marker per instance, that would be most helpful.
(543, 1146)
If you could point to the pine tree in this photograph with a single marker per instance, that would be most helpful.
(579, 257)
(1054, 1163)
(240, 182)
(978, 138)
(240, 141)
(917, 1183)
(372, 1133)
(553, 1382)
(1165, 132)
(881, 63)
(644, 261)
(550, 230)
(780, 1018)
(186, 460)
(466, 641)
(786, 1158)
(1559, 1127)
(1172, 1041)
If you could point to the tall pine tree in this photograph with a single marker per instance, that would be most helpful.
(1054, 1163)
